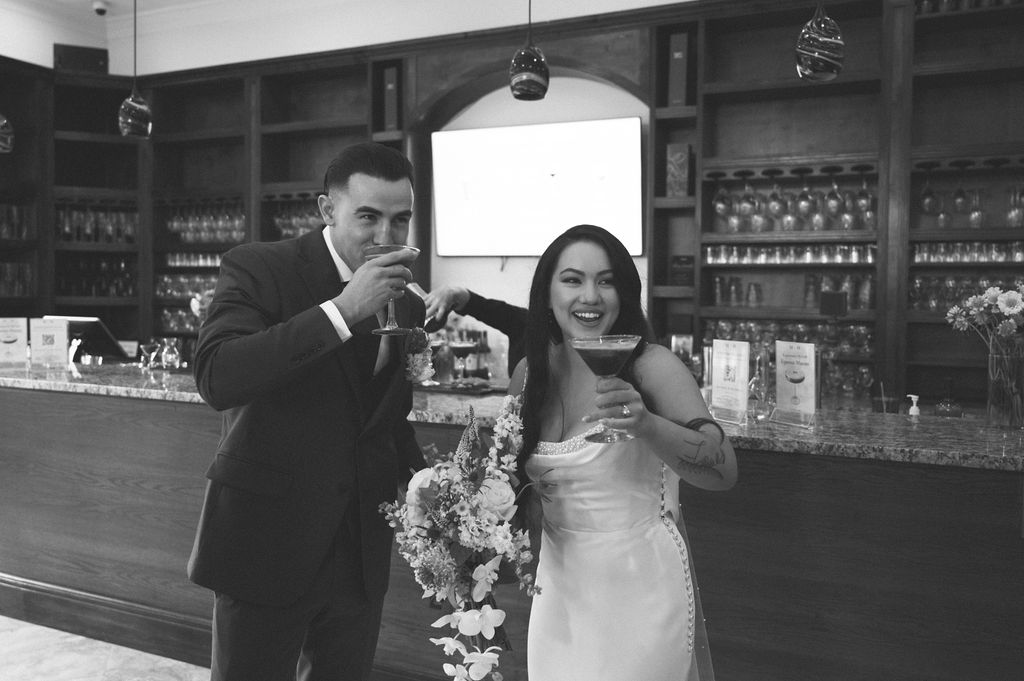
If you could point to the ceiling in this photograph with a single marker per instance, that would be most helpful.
(118, 8)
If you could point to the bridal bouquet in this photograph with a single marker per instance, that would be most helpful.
(455, 531)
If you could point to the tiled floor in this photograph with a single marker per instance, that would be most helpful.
(32, 653)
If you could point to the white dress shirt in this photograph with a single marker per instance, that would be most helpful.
(334, 314)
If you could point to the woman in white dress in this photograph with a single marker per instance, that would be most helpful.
(618, 598)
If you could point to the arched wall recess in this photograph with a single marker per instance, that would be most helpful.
(481, 100)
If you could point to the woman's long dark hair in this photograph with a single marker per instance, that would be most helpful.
(542, 330)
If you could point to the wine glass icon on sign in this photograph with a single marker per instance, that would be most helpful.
(391, 327)
(794, 376)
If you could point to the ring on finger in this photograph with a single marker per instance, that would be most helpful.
(626, 413)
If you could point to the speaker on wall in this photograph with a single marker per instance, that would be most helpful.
(77, 58)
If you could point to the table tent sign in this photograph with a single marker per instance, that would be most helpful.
(730, 379)
(13, 341)
(796, 382)
(49, 339)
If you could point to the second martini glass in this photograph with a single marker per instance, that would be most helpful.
(391, 327)
(605, 356)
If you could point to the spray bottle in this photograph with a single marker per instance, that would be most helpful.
(914, 409)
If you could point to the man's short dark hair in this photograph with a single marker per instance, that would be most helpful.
(369, 158)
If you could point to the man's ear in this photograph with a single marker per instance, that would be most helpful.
(326, 209)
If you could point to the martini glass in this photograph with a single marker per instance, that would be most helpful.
(461, 349)
(794, 376)
(391, 327)
(605, 356)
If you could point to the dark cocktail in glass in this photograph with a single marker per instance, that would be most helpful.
(605, 356)
(461, 349)
(391, 327)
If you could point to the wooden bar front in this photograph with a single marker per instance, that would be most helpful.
(812, 567)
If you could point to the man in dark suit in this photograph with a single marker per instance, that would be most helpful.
(315, 433)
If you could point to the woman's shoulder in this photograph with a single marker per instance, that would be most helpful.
(657, 365)
(655, 357)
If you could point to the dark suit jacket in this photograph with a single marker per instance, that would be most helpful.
(509, 319)
(299, 449)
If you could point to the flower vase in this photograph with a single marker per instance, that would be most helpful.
(1005, 407)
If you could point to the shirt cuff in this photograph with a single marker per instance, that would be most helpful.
(337, 321)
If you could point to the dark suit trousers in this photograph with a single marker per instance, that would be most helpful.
(329, 634)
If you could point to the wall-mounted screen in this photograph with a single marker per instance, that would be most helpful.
(509, 191)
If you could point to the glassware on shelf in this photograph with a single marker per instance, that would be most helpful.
(721, 202)
(1015, 206)
(747, 205)
(865, 199)
(775, 202)
(976, 218)
(834, 204)
(928, 202)
(819, 48)
(805, 201)
(961, 199)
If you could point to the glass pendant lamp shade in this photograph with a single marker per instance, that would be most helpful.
(135, 118)
(819, 48)
(6, 135)
(528, 74)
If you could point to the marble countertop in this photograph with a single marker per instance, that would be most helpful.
(849, 432)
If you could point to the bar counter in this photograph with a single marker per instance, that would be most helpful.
(847, 432)
(871, 546)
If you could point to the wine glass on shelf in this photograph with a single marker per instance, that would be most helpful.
(391, 327)
(461, 348)
(721, 203)
(961, 199)
(605, 356)
(805, 203)
(775, 203)
(747, 204)
(929, 201)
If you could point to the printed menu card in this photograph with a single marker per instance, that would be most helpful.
(49, 339)
(795, 383)
(730, 375)
(13, 341)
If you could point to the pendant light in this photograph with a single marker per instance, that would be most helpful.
(6, 135)
(135, 118)
(819, 48)
(528, 73)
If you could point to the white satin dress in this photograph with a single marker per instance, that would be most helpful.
(618, 601)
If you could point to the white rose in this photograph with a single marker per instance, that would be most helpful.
(497, 496)
(422, 481)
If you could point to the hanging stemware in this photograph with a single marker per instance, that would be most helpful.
(928, 202)
(865, 199)
(721, 202)
(834, 203)
(747, 206)
(961, 199)
(775, 203)
(819, 48)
